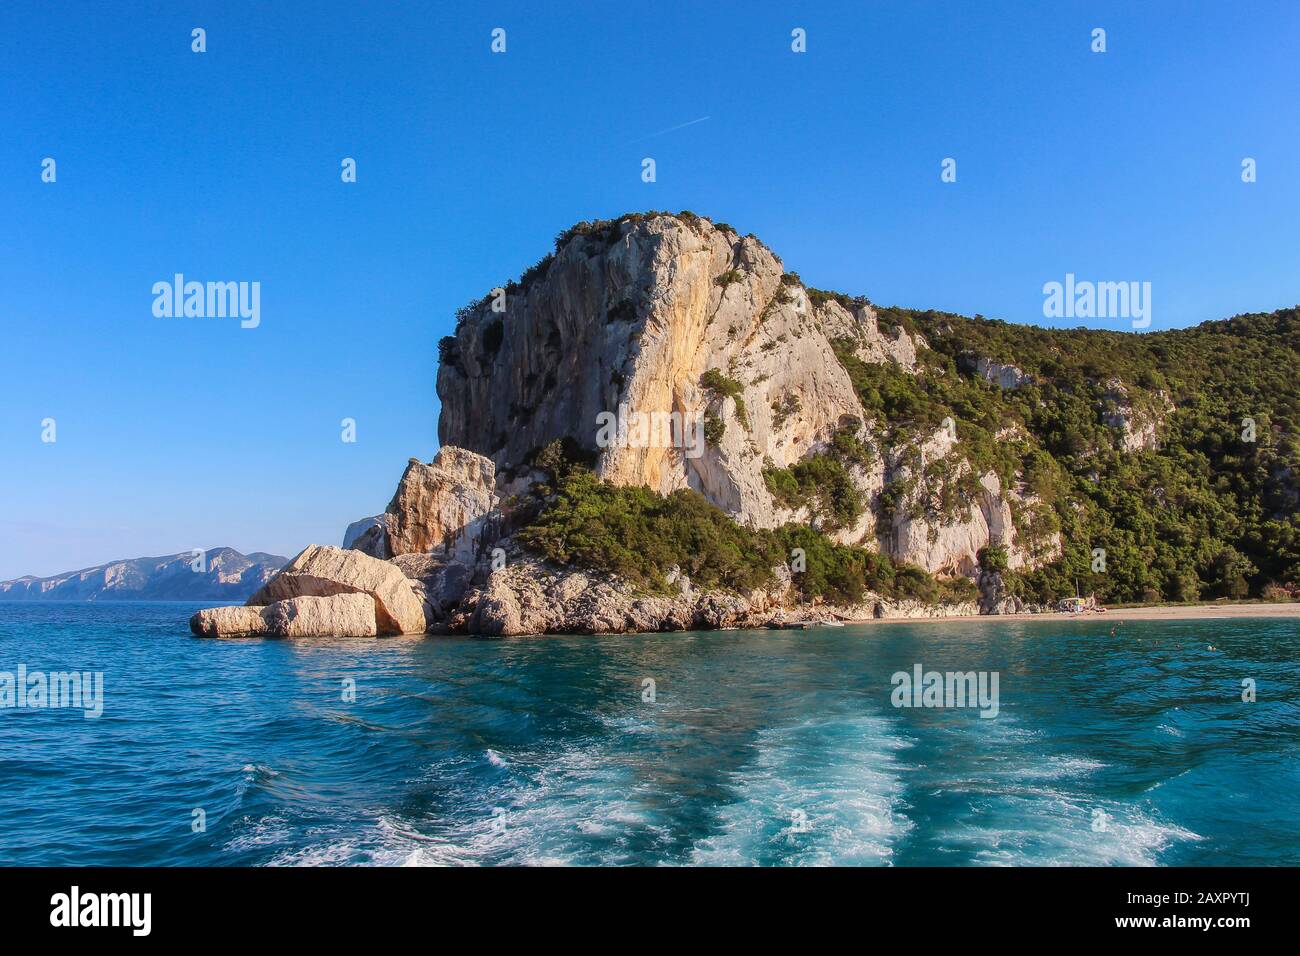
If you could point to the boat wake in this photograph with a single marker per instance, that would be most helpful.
(825, 791)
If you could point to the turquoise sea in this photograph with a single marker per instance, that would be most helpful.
(760, 747)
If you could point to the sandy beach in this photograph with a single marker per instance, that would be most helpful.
(1188, 612)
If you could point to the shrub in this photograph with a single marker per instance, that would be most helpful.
(958, 590)
(992, 558)
(561, 457)
(714, 428)
(784, 408)
(847, 447)
(723, 386)
(818, 481)
(826, 481)
(449, 352)
(784, 487)
(915, 583)
(640, 535)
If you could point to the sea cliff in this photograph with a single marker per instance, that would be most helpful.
(659, 427)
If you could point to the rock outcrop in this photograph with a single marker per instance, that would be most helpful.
(530, 597)
(339, 615)
(234, 621)
(994, 596)
(632, 318)
(322, 571)
(359, 527)
(1138, 428)
(443, 508)
(1001, 374)
(945, 513)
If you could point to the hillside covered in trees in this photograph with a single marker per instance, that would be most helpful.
(1211, 509)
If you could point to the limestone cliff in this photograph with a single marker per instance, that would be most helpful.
(1137, 429)
(645, 316)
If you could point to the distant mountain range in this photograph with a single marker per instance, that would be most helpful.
(223, 575)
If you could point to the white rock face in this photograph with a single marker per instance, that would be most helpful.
(871, 343)
(1139, 430)
(916, 610)
(229, 622)
(951, 548)
(946, 541)
(322, 571)
(444, 507)
(530, 597)
(339, 615)
(633, 317)
(1004, 376)
(636, 322)
(627, 323)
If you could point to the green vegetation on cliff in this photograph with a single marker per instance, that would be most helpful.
(1202, 511)
(1210, 508)
(640, 536)
(1166, 464)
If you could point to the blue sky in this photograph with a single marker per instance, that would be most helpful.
(181, 433)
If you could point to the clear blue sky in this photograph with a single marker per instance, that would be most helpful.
(181, 433)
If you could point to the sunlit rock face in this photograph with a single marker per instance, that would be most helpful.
(444, 507)
(625, 320)
(324, 571)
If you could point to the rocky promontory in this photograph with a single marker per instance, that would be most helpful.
(659, 427)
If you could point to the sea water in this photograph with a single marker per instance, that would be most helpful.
(709, 748)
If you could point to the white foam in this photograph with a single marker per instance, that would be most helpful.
(1033, 809)
(820, 792)
(582, 805)
(1047, 828)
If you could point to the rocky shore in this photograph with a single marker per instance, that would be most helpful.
(455, 572)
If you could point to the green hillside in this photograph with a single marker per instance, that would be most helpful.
(1206, 513)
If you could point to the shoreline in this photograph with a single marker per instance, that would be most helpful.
(1175, 612)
